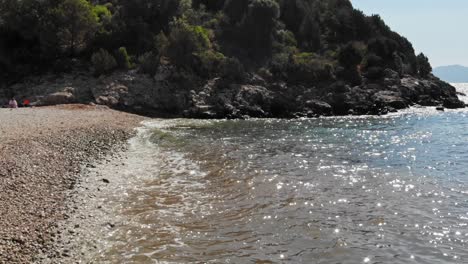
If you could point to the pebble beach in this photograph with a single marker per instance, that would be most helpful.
(42, 153)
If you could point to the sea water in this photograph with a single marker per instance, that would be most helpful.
(389, 189)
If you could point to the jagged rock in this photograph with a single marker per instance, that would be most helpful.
(389, 98)
(453, 103)
(253, 100)
(107, 100)
(391, 78)
(174, 93)
(318, 108)
(163, 73)
(426, 100)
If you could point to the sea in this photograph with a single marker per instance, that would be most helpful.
(354, 189)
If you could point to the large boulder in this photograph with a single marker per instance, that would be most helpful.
(391, 78)
(316, 108)
(253, 100)
(390, 98)
(57, 98)
(453, 103)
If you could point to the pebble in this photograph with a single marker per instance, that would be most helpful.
(41, 157)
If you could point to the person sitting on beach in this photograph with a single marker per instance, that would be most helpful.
(12, 103)
(26, 103)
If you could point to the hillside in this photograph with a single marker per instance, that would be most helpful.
(452, 73)
(270, 57)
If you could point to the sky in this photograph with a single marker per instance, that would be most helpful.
(438, 28)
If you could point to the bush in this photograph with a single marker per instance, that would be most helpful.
(149, 63)
(162, 43)
(122, 58)
(186, 40)
(350, 75)
(350, 55)
(103, 62)
(375, 72)
(398, 63)
(208, 62)
(279, 63)
(308, 67)
(374, 66)
(102, 12)
(258, 27)
(233, 69)
(424, 67)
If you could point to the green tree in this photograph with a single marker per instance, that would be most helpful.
(259, 25)
(122, 58)
(75, 23)
(424, 67)
(350, 55)
(185, 40)
(236, 10)
(103, 62)
(162, 43)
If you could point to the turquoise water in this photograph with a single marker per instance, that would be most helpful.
(390, 189)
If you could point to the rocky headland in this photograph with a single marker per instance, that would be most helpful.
(166, 94)
(214, 59)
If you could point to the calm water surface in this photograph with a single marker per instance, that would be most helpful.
(390, 189)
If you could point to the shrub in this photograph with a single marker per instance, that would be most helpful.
(103, 62)
(375, 72)
(350, 55)
(279, 61)
(186, 40)
(162, 43)
(350, 75)
(308, 67)
(258, 27)
(208, 62)
(424, 67)
(149, 63)
(398, 63)
(102, 12)
(235, 9)
(374, 66)
(233, 69)
(286, 38)
(122, 58)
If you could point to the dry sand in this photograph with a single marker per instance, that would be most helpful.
(42, 152)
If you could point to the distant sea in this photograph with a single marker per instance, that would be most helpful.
(390, 189)
(463, 88)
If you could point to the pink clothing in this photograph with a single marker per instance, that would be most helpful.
(13, 103)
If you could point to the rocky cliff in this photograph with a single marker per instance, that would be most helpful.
(169, 94)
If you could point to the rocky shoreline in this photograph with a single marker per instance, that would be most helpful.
(170, 94)
(42, 154)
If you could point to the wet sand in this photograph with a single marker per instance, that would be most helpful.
(43, 152)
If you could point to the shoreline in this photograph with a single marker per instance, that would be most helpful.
(80, 215)
(90, 218)
(43, 153)
(94, 202)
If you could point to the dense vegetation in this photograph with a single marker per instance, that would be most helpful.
(302, 41)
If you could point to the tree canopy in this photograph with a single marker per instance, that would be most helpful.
(37, 36)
